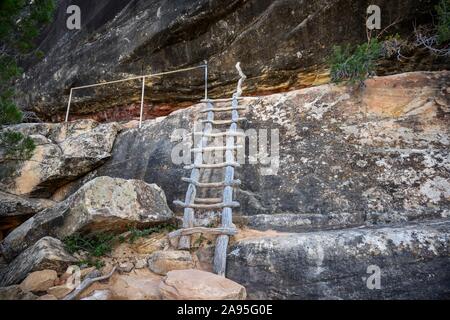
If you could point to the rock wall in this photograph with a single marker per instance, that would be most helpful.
(347, 157)
(120, 39)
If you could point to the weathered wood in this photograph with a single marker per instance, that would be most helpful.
(220, 254)
(221, 109)
(208, 200)
(219, 184)
(220, 99)
(92, 277)
(219, 122)
(213, 165)
(188, 216)
(243, 76)
(218, 148)
(204, 230)
(231, 204)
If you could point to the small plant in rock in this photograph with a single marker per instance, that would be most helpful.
(96, 246)
(394, 46)
(354, 65)
(140, 233)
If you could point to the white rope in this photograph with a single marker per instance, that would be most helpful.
(140, 77)
(243, 77)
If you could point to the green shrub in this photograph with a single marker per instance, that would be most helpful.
(354, 65)
(101, 244)
(96, 246)
(20, 22)
(16, 145)
(443, 25)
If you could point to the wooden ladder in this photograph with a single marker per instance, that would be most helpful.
(225, 203)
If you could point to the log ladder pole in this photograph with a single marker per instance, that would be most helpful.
(226, 204)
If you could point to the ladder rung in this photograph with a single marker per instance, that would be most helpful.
(218, 148)
(228, 99)
(221, 99)
(212, 165)
(232, 204)
(193, 230)
(211, 184)
(207, 200)
(223, 109)
(223, 121)
(220, 134)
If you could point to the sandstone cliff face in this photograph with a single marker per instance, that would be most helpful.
(282, 45)
(370, 156)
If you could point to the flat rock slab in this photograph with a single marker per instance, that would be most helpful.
(193, 284)
(12, 205)
(47, 253)
(137, 286)
(161, 262)
(412, 261)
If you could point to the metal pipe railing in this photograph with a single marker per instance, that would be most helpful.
(205, 66)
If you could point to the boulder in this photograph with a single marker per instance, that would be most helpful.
(199, 285)
(103, 204)
(12, 205)
(161, 262)
(39, 281)
(135, 286)
(125, 266)
(15, 293)
(411, 261)
(46, 253)
(140, 263)
(63, 153)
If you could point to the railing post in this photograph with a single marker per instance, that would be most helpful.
(68, 105)
(206, 79)
(142, 102)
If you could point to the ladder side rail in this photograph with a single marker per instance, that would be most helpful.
(220, 254)
(188, 216)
